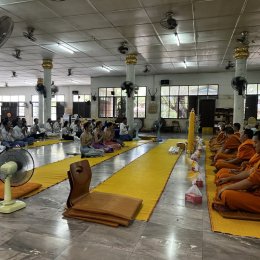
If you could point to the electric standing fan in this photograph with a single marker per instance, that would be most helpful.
(137, 126)
(16, 168)
(157, 126)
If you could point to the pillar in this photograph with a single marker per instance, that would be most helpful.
(131, 61)
(241, 54)
(47, 66)
(41, 103)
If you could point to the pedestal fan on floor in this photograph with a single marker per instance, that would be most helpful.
(157, 126)
(137, 126)
(16, 168)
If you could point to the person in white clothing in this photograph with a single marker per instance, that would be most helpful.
(123, 131)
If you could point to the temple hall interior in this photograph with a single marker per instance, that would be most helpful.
(129, 129)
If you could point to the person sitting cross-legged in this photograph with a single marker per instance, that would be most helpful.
(245, 151)
(242, 191)
(86, 140)
(123, 131)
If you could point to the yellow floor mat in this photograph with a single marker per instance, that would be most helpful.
(224, 225)
(144, 178)
(47, 142)
(53, 173)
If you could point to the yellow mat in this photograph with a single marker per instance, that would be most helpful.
(224, 225)
(53, 173)
(144, 178)
(47, 142)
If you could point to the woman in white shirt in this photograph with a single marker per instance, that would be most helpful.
(123, 131)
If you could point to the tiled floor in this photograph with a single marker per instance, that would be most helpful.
(175, 231)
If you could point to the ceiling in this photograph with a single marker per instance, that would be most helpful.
(94, 29)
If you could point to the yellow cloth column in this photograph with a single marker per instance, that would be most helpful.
(191, 132)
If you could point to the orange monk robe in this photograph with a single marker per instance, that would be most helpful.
(245, 151)
(225, 172)
(232, 143)
(218, 142)
(243, 200)
(237, 134)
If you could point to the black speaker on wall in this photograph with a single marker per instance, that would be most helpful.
(75, 92)
(165, 82)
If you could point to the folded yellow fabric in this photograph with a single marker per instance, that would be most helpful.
(144, 178)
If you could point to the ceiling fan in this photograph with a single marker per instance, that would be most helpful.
(17, 54)
(30, 34)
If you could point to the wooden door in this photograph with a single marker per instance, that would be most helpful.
(207, 112)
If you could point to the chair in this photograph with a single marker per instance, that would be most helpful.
(176, 126)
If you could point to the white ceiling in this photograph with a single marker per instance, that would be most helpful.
(207, 30)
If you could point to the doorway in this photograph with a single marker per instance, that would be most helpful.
(207, 112)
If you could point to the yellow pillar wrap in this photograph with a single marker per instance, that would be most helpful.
(191, 133)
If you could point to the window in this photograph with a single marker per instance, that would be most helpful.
(54, 100)
(175, 99)
(253, 90)
(19, 99)
(81, 98)
(112, 102)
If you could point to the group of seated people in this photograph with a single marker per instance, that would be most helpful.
(14, 133)
(236, 157)
(98, 139)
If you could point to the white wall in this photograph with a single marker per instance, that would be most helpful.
(152, 82)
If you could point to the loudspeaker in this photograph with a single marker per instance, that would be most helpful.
(75, 92)
(165, 82)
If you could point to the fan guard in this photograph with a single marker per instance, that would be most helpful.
(168, 22)
(25, 165)
(6, 29)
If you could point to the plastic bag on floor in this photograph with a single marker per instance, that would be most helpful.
(199, 181)
(193, 195)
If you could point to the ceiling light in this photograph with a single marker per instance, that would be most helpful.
(106, 68)
(177, 39)
(65, 48)
(185, 65)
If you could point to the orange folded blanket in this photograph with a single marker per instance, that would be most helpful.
(240, 215)
(99, 207)
(20, 191)
(107, 203)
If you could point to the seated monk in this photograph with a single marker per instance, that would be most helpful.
(225, 175)
(217, 142)
(243, 195)
(229, 148)
(236, 128)
(245, 151)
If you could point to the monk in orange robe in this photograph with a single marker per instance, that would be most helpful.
(245, 166)
(244, 194)
(245, 151)
(236, 128)
(216, 142)
(229, 148)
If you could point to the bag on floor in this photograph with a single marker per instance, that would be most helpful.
(193, 195)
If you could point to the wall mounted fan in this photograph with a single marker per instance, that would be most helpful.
(129, 87)
(54, 89)
(16, 168)
(40, 88)
(6, 29)
(137, 126)
(239, 84)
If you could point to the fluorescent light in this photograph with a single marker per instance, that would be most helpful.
(65, 48)
(106, 68)
(177, 39)
(185, 65)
